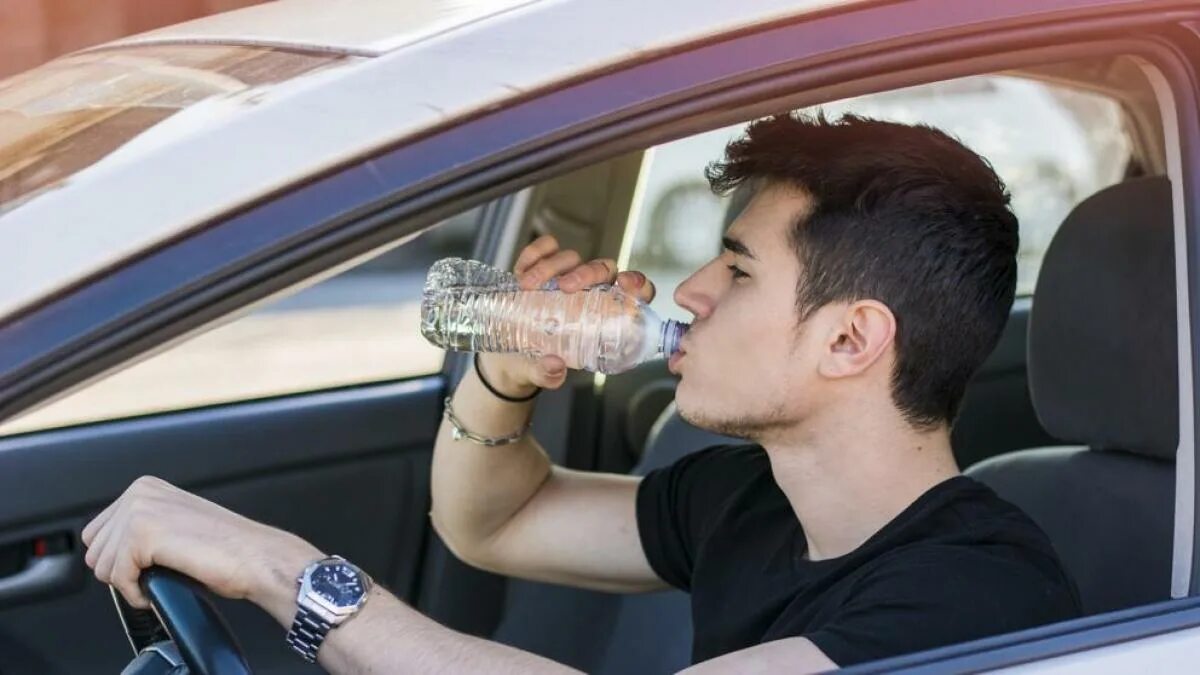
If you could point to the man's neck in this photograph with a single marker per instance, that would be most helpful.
(856, 479)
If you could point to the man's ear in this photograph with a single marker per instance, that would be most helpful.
(860, 337)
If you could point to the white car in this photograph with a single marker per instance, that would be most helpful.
(213, 236)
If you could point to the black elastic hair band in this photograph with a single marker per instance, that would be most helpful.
(511, 399)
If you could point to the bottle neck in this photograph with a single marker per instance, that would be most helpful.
(670, 336)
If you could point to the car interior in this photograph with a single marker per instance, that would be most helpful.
(1074, 417)
(1073, 370)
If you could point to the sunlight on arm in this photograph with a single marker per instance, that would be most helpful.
(793, 655)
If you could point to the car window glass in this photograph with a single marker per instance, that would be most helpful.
(1053, 146)
(359, 326)
(70, 114)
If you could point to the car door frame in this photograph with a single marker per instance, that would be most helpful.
(188, 283)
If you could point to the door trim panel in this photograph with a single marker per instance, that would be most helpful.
(68, 471)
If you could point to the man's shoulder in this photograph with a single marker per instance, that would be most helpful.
(1017, 581)
(962, 510)
(1003, 560)
(927, 595)
(974, 541)
(991, 524)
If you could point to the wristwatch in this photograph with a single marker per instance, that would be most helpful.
(332, 591)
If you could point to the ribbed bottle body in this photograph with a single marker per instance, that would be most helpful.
(469, 306)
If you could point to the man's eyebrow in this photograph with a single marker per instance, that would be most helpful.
(737, 247)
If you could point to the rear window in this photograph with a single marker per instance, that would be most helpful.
(60, 118)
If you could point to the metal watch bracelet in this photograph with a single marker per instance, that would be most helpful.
(461, 432)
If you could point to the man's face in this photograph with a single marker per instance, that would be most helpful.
(748, 369)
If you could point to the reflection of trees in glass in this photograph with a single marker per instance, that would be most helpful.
(70, 114)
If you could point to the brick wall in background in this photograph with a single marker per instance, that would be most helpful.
(35, 31)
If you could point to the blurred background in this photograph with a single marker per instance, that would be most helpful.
(35, 31)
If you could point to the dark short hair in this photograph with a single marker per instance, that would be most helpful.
(902, 214)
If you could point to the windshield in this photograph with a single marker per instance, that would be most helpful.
(66, 115)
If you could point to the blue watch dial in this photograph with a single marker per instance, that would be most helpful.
(338, 583)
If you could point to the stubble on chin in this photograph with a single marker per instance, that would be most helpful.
(749, 427)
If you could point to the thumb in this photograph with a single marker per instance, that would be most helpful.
(637, 284)
(550, 372)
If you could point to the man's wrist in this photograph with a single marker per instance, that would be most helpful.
(275, 588)
(494, 377)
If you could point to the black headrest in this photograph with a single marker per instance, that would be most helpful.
(1102, 336)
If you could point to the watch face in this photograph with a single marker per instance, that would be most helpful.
(338, 583)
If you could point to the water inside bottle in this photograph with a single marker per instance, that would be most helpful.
(469, 306)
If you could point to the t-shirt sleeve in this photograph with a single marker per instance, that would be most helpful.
(921, 602)
(677, 506)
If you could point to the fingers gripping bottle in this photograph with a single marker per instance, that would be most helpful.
(470, 306)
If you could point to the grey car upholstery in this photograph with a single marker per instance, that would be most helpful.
(1103, 376)
(671, 438)
(608, 633)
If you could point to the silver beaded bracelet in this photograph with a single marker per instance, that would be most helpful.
(461, 432)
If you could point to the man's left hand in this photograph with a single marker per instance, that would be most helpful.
(156, 523)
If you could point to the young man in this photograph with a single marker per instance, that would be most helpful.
(861, 287)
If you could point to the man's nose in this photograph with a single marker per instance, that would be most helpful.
(695, 296)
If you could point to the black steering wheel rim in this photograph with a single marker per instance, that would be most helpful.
(198, 630)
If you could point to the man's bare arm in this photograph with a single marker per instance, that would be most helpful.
(390, 637)
(155, 523)
(507, 509)
(791, 655)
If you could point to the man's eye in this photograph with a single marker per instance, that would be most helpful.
(737, 272)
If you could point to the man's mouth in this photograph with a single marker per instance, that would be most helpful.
(673, 362)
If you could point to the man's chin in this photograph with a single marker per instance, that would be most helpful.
(725, 418)
(708, 422)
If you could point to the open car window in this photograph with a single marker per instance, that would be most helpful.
(1052, 144)
(359, 326)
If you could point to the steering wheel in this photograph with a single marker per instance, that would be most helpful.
(183, 634)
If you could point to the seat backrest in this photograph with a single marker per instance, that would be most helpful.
(1103, 375)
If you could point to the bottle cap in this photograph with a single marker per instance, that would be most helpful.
(672, 335)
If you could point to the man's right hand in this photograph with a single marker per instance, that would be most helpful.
(518, 375)
(509, 510)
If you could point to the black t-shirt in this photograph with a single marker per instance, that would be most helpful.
(959, 563)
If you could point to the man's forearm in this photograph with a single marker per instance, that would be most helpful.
(388, 636)
(477, 489)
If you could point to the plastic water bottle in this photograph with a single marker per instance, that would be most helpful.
(470, 306)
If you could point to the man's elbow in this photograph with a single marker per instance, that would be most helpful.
(474, 551)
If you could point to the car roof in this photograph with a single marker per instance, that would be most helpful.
(355, 26)
(211, 158)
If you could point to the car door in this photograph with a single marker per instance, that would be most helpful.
(315, 413)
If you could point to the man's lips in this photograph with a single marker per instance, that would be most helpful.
(673, 362)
